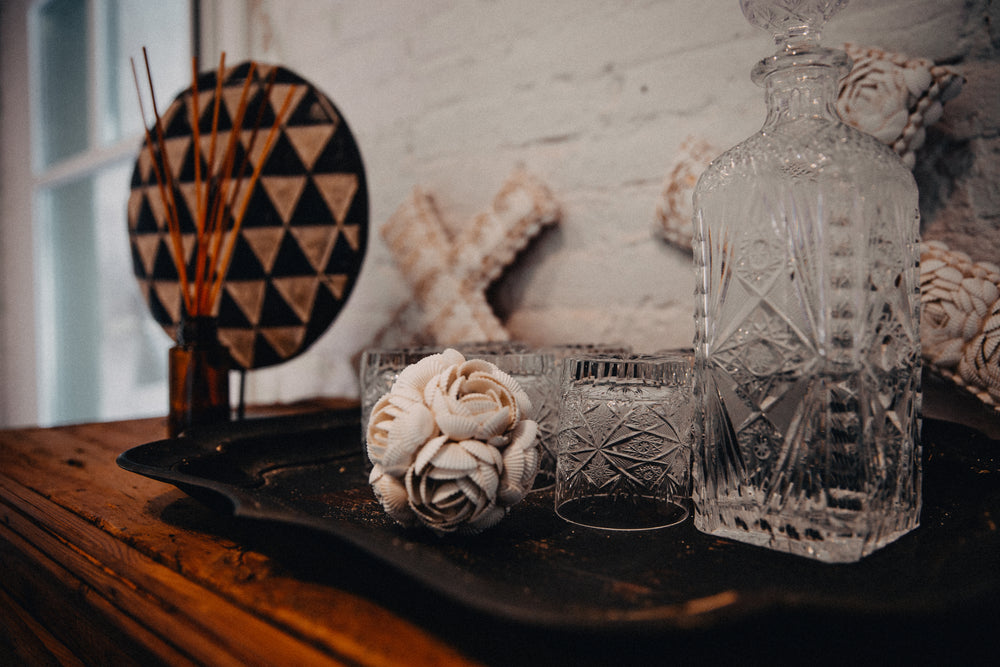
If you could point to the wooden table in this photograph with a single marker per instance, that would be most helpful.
(114, 568)
(102, 566)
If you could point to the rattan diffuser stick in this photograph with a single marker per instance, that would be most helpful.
(217, 187)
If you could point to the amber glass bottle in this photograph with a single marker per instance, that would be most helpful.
(199, 377)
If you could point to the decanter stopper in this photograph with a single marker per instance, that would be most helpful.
(795, 24)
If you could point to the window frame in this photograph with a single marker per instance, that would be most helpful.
(23, 180)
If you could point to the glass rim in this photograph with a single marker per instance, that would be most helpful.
(674, 367)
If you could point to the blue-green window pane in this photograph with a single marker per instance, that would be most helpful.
(69, 284)
(164, 28)
(63, 101)
(103, 355)
(133, 346)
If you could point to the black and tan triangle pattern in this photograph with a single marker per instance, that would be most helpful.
(304, 235)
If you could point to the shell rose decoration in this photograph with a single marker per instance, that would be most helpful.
(452, 445)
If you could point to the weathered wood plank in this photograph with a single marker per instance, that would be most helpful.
(180, 592)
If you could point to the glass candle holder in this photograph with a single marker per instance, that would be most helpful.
(379, 370)
(625, 430)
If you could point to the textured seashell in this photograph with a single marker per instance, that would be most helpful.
(485, 452)
(520, 463)
(427, 453)
(894, 97)
(413, 379)
(457, 426)
(487, 479)
(486, 520)
(458, 457)
(675, 210)
(454, 457)
(449, 277)
(405, 436)
(393, 496)
(960, 323)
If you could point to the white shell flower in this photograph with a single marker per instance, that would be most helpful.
(960, 321)
(451, 445)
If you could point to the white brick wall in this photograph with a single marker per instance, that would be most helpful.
(594, 98)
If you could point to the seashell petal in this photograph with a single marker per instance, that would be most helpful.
(487, 479)
(392, 494)
(472, 491)
(453, 456)
(917, 79)
(477, 404)
(483, 452)
(457, 426)
(983, 291)
(949, 275)
(415, 377)
(448, 494)
(929, 266)
(405, 438)
(428, 452)
(444, 473)
(494, 425)
(520, 463)
(485, 520)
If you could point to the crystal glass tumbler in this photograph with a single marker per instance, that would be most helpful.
(379, 370)
(624, 441)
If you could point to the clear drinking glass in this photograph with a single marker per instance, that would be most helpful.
(807, 307)
(624, 441)
(379, 370)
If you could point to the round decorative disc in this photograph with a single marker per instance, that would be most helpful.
(302, 241)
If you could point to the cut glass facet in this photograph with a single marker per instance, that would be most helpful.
(808, 357)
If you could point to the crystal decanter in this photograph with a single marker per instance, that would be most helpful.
(807, 306)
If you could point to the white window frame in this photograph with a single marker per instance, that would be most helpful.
(215, 23)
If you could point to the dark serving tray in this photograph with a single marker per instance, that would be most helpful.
(533, 568)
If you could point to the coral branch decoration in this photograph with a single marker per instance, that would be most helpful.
(249, 192)
(449, 276)
(452, 445)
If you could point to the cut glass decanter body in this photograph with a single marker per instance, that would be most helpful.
(807, 306)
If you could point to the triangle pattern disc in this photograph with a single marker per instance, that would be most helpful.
(303, 237)
(284, 193)
(265, 242)
(241, 345)
(276, 312)
(315, 242)
(248, 296)
(299, 293)
(309, 141)
(338, 191)
(283, 340)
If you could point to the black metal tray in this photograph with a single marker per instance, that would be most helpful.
(310, 471)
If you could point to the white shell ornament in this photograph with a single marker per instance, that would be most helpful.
(451, 445)
(894, 97)
(449, 275)
(960, 319)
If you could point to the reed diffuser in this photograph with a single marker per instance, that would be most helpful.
(198, 363)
